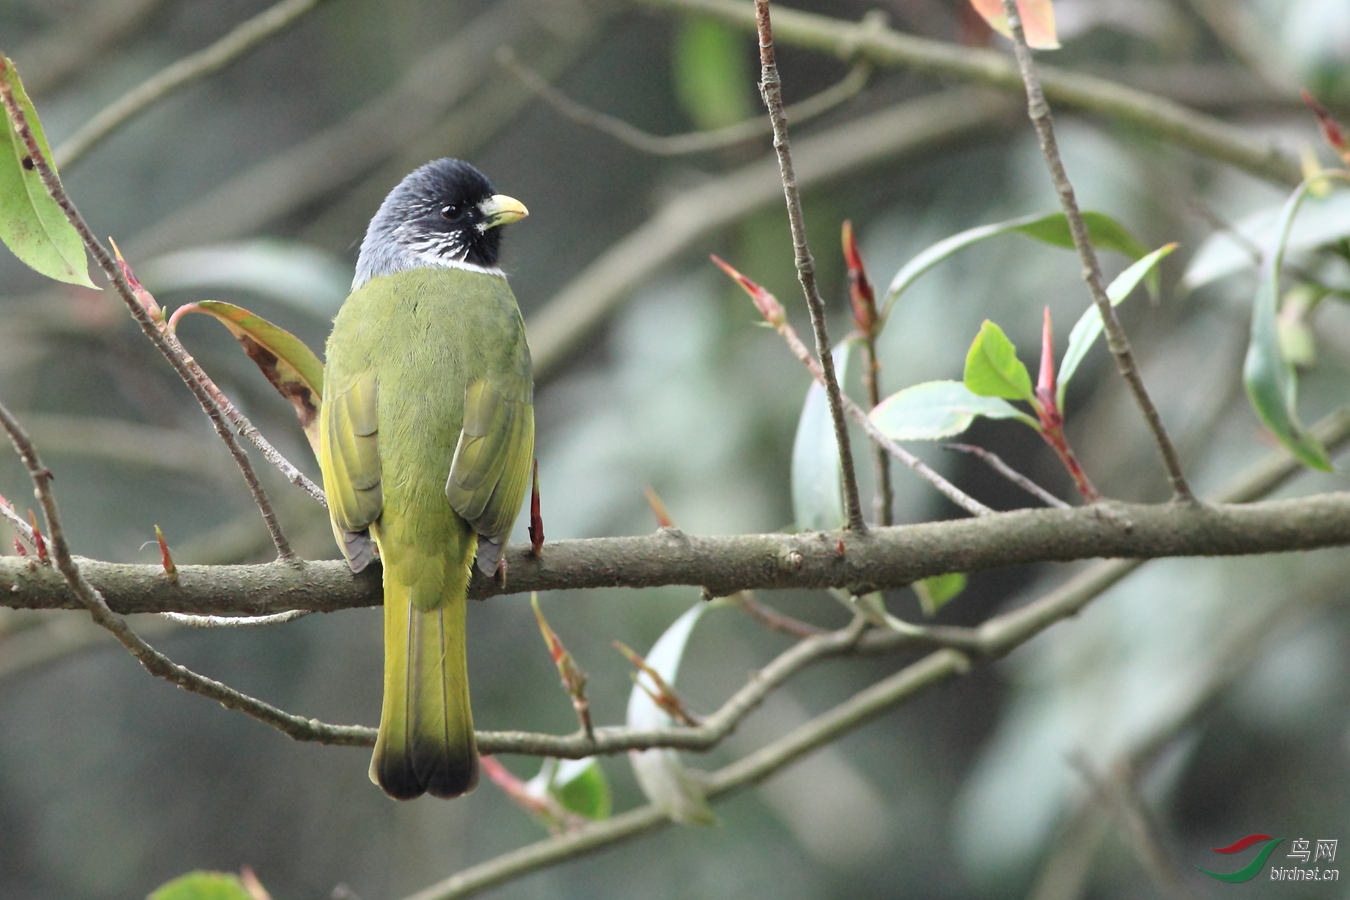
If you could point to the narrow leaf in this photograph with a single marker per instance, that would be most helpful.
(1089, 325)
(287, 363)
(659, 772)
(31, 224)
(1270, 379)
(938, 409)
(817, 476)
(993, 369)
(936, 591)
(1038, 21)
(1104, 232)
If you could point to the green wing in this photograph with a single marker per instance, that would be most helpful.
(491, 466)
(350, 459)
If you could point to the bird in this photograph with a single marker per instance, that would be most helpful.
(426, 438)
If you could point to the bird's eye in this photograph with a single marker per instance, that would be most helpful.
(451, 212)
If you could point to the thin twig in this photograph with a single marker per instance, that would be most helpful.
(1039, 111)
(243, 425)
(859, 415)
(771, 89)
(771, 618)
(881, 460)
(17, 522)
(684, 144)
(178, 75)
(998, 465)
(156, 663)
(138, 312)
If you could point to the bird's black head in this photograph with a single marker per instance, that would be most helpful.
(443, 214)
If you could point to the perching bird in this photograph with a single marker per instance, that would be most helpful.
(427, 434)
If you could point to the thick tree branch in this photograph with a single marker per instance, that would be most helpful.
(1143, 112)
(885, 557)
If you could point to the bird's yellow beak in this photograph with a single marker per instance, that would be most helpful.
(500, 209)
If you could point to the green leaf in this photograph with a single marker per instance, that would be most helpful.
(31, 224)
(203, 886)
(581, 787)
(1104, 232)
(283, 358)
(936, 591)
(660, 774)
(713, 79)
(993, 369)
(1270, 379)
(817, 477)
(1089, 325)
(939, 409)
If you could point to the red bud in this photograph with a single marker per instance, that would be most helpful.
(860, 293)
(144, 297)
(1331, 129)
(37, 539)
(658, 508)
(536, 528)
(767, 303)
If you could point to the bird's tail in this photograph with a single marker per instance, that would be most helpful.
(425, 743)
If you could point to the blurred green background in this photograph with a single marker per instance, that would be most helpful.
(255, 185)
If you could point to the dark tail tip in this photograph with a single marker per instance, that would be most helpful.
(426, 770)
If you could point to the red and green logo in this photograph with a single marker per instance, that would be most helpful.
(1251, 869)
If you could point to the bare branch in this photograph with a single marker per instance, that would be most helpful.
(884, 558)
(1039, 111)
(185, 71)
(771, 89)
